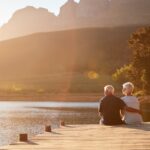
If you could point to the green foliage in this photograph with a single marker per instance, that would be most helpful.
(138, 71)
(122, 74)
(128, 73)
(139, 93)
(140, 44)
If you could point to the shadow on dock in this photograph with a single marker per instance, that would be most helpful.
(144, 127)
(24, 143)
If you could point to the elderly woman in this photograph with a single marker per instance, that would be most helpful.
(131, 101)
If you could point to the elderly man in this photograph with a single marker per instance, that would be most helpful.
(111, 108)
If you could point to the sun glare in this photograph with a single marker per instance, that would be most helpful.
(16, 88)
(93, 75)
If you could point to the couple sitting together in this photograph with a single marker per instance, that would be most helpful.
(115, 111)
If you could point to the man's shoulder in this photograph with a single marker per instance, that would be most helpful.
(112, 97)
(102, 99)
(117, 98)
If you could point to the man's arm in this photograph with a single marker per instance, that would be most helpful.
(122, 113)
(130, 109)
(100, 114)
(133, 110)
(100, 108)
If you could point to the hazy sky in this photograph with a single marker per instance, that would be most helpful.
(8, 7)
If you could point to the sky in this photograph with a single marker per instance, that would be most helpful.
(8, 7)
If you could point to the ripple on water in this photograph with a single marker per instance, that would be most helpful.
(31, 118)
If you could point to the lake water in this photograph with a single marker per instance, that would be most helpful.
(31, 117)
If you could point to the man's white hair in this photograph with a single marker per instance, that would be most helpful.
(128, 86)
(109, 89)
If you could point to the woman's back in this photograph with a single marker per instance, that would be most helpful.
(132, 118)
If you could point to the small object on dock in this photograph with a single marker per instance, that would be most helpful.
(48, 129)
(62, 123)
(23, 137)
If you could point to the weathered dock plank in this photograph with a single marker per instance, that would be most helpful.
(89, 137)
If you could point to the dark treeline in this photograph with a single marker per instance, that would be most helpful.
(99, 49)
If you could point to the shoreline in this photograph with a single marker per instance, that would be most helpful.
(63, 97)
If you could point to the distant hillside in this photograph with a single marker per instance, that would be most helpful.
(80, 50)
(86, 14)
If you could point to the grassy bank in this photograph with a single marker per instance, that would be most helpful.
(72, 86)
(64, 86)
(52, 97)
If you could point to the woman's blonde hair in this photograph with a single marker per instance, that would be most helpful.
(128, 87)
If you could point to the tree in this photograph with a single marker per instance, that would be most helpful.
(122, 75)
(138, 71)
(128, 73)
(140, 44)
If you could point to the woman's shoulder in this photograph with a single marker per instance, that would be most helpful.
(133, 98)
(123, 97)
(129, 98)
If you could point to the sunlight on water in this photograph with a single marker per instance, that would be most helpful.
(31, 117)
(18, 105)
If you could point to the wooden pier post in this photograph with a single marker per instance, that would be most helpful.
(62, 123)
(48, 129)
(23, 137)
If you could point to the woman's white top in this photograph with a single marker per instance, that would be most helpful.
(132, 118)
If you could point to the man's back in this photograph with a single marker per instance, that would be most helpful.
(110, 107)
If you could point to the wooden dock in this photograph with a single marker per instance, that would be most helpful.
(89, 137)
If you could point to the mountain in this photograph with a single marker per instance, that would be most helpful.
(78, 50)
(27, 21)
(88, 13)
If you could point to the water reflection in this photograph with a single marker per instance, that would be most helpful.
(31, 117)
(13, 105)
